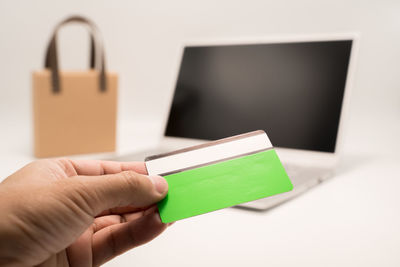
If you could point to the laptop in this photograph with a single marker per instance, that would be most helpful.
(296, 90)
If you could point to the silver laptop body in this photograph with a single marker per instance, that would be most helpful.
(296, 89)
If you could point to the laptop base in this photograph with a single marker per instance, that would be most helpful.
(303, 179)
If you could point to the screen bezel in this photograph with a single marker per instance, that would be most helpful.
(298, 156)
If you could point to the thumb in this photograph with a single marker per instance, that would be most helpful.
(98, 193)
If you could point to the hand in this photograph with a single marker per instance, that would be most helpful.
(77, 213)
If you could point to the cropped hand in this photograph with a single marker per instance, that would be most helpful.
(61, 212)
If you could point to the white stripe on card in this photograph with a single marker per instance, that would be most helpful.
(208, 154)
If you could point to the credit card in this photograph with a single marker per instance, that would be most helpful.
(218, 174)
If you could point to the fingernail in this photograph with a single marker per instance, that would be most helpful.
(159, 183)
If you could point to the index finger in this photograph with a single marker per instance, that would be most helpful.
(100, 167)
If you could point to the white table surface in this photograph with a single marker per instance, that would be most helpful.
(352, 219)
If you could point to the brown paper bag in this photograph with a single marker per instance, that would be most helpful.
(74, 112)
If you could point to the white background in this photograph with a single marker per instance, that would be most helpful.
(142, 40)
(352, 219)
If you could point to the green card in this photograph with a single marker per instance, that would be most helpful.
(218, 174)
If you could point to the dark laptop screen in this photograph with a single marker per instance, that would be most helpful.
(293, 91)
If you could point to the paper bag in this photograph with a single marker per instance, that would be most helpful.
(74, 112)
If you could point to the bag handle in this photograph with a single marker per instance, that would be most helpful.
(96, 52)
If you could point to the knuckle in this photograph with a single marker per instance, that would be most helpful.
(38, 163)
(133, 179)
(73, 197)
(61, 161)
(45, 163)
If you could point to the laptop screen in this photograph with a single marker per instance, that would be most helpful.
(293, 91)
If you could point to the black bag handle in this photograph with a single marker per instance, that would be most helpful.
(96, 46)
